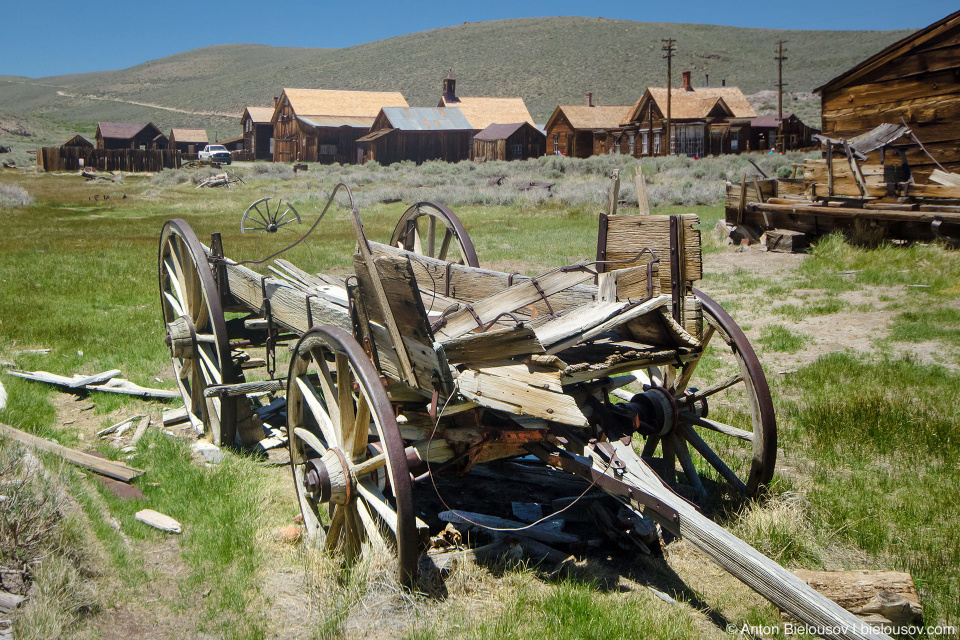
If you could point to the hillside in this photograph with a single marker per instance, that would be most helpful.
(547, 61)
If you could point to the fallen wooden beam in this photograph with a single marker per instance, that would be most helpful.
(75, 382)
(890, 594)
(850, 212)
(10, 601)
(119, 385)
(109, 468)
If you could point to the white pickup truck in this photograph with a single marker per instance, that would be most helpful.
(215, 153)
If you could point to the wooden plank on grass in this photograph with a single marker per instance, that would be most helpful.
(109, 468)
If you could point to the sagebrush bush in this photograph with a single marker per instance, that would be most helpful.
(171, 176)
(13, 195)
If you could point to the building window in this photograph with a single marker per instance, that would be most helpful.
(645, 143)
(556, 144)
(656, 143)
(632, 143)
(328, 149)
(516, 150)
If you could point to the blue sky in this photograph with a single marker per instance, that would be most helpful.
(52, 37)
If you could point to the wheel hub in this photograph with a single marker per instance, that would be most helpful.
(327, 478)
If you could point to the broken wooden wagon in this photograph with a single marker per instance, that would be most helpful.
(421, 363)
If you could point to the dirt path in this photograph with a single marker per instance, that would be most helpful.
(147, 104)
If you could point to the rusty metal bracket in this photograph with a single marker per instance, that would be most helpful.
(543, 296)
(270, 346)
(446, 279)
(310, 310)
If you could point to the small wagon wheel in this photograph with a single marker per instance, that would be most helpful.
(196, 331)
(349, 465)
(417, 231)
(729, 423)
(259, 217)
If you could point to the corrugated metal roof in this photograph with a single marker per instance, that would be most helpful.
(359, 122)
(426, 118)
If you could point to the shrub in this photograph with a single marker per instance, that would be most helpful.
(14, 195)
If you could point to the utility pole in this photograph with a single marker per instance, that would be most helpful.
(668, 48)
(780, 58)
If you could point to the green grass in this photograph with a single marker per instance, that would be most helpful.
(797, 312)
(776, 337)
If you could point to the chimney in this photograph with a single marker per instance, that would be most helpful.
(450, 87)
(596, 102)
(723, 82)
(686, 81)
(706, 79)
(589, 99)
(275, 101)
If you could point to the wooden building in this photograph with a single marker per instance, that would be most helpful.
(768, 132)
(418, 134)
(918, 79)
(517, 141)
(188, 141)
(317, 125)
(78, 141)
(482, 112)
(117, 135)
(704, 121)
(258, 131)
(582, 130)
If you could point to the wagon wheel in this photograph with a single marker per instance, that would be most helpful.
(349, 465)
(196, 331)
(729, 422)
(259, 216)
(417, 231)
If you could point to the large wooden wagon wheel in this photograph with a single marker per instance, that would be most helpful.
(260, 217)
(349, 464)
(432, 230)
(196, 332)
(728, 422)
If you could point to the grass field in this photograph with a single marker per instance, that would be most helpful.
(869, 437)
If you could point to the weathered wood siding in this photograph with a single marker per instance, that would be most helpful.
(68, 159)
(525, 142)
(564, 140)
(921, 85)
(419, 146)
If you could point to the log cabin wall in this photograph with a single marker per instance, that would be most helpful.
(419, 146)
(286, 134)
(918, 79)
(526, 142)
(561, 138)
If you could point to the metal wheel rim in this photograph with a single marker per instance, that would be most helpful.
(197, 294)
(326, 341)
(402, 233)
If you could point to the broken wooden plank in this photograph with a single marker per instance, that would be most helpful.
(945, 178)
(119, 385)
(158, 520)
(10, 601)
(74, 382)
(492, 346)
(112, 428)
(862, 592)
(642, 201)
(141, 430)
(109, 468)
(174, 416)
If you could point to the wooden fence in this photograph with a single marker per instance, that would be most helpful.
(69, 159)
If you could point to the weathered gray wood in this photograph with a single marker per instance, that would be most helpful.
(642, 201)
(112, 428)
(10, 601)
(109, 468)
(158, 520)
(125, 387)
(492, 346)
(174, 416)
(141, 430)
(75, 382)
(854, 590)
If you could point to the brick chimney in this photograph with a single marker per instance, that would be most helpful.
(686, 81)
(706, 79)
(275, 101)
(723, 82)
(450, 87)
(589, 98)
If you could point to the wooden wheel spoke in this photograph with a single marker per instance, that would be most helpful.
(265, 218)
(367, 466)
(316, 408)
(445, 245)
(283, 224)
(362, 428)
(669, 459)
(650, 446)
(345, 402)
(431, 236)
(335, 532)
(310, 439)
(714, 460)
(172, 277)
(691, 367)
(711, 390)
(174, 304)
(689, 470)
(375, 498)
(719, 427)
(371, 526)
(212, 367)
(330, 395)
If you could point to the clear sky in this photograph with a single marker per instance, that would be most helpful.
(53, 37)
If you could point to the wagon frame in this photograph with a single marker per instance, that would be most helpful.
(419, 365)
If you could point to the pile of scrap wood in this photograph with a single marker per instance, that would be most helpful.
(224, 179)
(863, 187)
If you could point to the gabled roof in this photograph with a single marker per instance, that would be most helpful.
(118, 130)
(337, 121)
(895, 50)
(503, 131)
(189, 135)
(769, 121)
(77, 141)
(426, 119)
(322, 102)
(259, 115)
(580, 116)
(695, 104)
(482, 112)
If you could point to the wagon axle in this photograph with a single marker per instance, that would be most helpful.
(654, 412)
